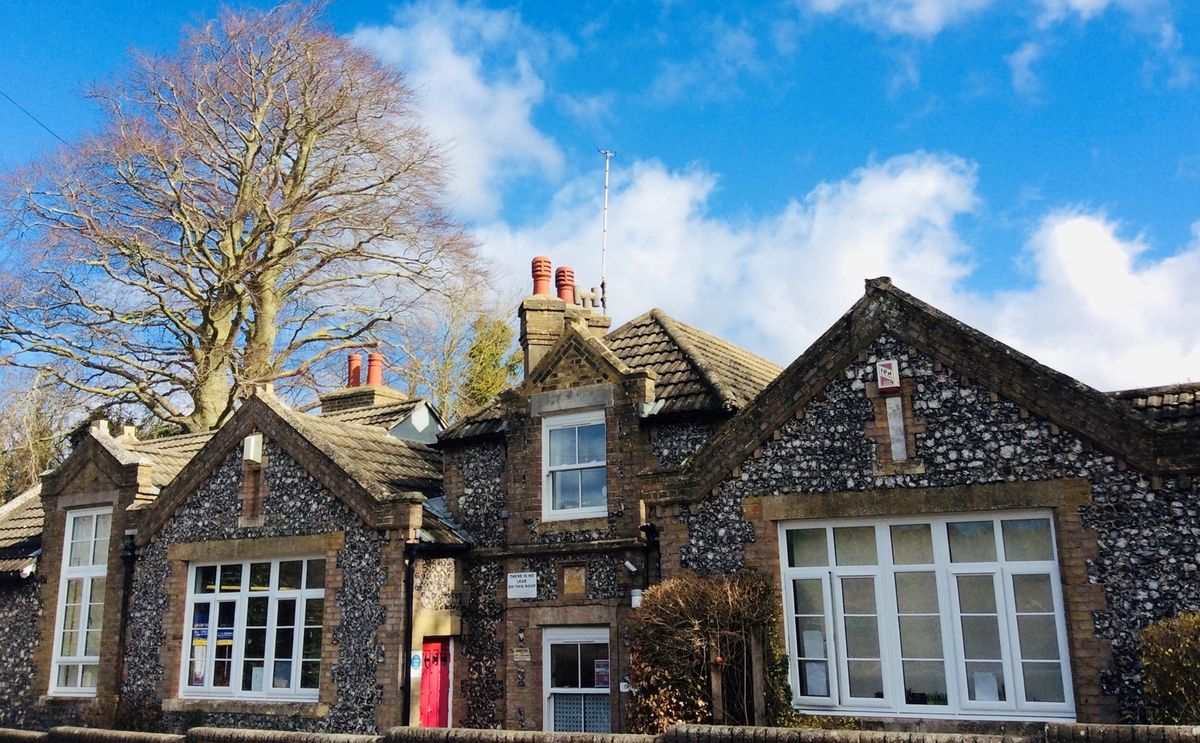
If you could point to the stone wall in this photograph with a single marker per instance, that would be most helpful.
(295, 505)
(1148, 533)
(480, 692)
(474, 483)
(20, 608)
(672, 443)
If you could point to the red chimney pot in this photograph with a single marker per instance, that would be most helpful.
(564, 279)
(375, 369)
(354, 370)
(541, 276)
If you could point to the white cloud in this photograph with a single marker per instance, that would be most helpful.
(1025, 80)
(727, 52)
(1053, 11)
(474, 69)
(1096, 308)
(924, 18)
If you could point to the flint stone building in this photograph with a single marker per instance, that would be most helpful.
(959, 535)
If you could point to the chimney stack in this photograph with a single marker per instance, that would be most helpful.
(354, 371)
(564, 280)
(374, 369)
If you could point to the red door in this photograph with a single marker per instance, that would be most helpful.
(435, 683)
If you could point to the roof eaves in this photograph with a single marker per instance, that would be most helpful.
(695, 358)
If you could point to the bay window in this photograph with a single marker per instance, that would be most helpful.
(576, 679)
(254, 629)
(574, 463)
(80, 612)
(958, 616)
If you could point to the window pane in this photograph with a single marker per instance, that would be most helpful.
(81, 529)
(80, 553)
(814, 678)
(866, 679)
(282, 678)
(562, 446)
(290, 572)
(74, 591)
(858, 595)
(981, 638)
(226, 613)
(921, 637)
(976, 594)
(285, 613)
(593, 482)
(260, 576)
(985, 682)
(310, 675)
(71, 615)
(284, 641)
(1027, 539)
(70, 643)
(566, 489)
(91, 643)
(854, 545)
(810, 637)
(807, 548)
(314, 577)
(912, 544)
(231, 578)
(564, 666)
(972, 541)
(925, 682)
(591, 443)
(252, 675)
(862, 637)
(98, 587)
(314, 612)
(103, 527)
(809, 596)
(89, 673)
(1039, 637)
(916, 593)
(592, 657)
(1033, 593)
(256, 643)
(256, 612)
(312, 644)
(1043, 682)
(68, 675)
(206, 579)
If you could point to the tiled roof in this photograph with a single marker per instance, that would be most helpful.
(169, 454)
(1175, 406)
(383, 416)
(367, 453)
(20, 530)
(696, 371)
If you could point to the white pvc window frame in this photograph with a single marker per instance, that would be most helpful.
(894, 703)
(571, 636)
(79, 616)
(212, 635)
(552, 423)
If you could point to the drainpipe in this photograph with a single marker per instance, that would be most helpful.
(410, 561)
(128, 558)
(651, 556)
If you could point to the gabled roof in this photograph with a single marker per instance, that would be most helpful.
(20, 531)
(1107, 423)
(696, 372)
(167, 455)
(384, 416)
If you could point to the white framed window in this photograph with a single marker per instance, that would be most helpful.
(953, 616)
(80, 613)
(576, 676)
(253, 630)
(573, 460)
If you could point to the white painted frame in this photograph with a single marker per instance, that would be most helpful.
(241, 598)
(86, 574)
(958, 706)
(570, 420)
(571, 636)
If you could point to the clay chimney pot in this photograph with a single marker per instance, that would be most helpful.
(354, 370)
(541, 276)
(564, 279)
(375, 369)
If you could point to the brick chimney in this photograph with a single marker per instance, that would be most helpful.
(544, 317)
(357, 395)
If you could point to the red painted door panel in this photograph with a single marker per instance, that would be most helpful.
(435, 683)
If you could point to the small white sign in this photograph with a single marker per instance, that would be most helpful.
(522, 585)
(888, 374)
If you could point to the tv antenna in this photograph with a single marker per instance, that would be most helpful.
(608, 155)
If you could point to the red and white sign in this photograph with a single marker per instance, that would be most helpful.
(888, 374)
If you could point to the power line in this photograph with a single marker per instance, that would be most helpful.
(36, 120)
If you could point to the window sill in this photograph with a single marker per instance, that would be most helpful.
(305, 708)
(593, 514)
(60, 697)
(961, 716)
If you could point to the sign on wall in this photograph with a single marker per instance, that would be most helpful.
(522, 585)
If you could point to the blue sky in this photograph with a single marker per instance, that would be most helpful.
(1032, 167)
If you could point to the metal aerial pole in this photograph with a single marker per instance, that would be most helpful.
(608, 155)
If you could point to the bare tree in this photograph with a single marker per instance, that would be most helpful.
(259, 200)
(35, 416)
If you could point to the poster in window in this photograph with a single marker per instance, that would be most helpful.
(601, 674)
(225, 636)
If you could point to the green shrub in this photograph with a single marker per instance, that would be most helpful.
(1170, 651)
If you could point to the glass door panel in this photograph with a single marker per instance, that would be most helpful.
(812, 639)
(979, 623)
(860, 627)
(922, 660)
